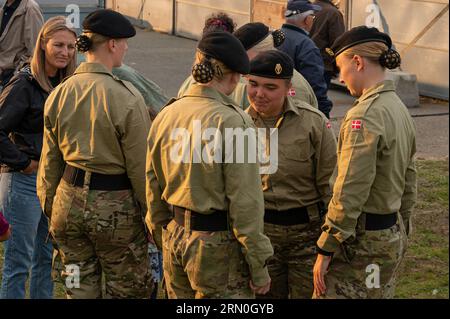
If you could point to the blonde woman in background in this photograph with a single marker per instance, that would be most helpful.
(21, 131)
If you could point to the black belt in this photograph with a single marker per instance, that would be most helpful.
(294, 216)
(75, 176)
(380, 222)
(216, 221)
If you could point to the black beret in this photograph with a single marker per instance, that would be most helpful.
(300, 6)
(272, 64)
(358, 35)
(251, 34)
(109, 23)
(226, 48)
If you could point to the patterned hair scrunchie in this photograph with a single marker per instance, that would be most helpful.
(203, 72)
(83, 43)
(278, 37)
(390, 59)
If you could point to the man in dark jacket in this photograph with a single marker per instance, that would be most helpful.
(328, 26)
(299, 46)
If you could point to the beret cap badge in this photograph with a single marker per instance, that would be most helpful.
(278, 69)
(329, 51)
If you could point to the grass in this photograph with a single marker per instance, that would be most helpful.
(424, 271)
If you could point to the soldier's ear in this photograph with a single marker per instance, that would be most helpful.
(359, 62)
(111, 44)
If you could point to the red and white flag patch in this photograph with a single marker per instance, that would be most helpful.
(356, 125)
(328, 124)
(292, 92)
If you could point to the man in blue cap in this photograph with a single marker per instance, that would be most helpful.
(305, 54)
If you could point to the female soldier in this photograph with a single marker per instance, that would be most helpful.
(216, 214)
(21, 130)
(375, 187)
(91, 180)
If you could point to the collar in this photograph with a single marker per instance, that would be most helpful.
(196, 90)
(295, 28)
(384, 86)
(89, 67)
(289, 107)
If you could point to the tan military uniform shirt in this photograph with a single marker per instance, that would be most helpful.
(95, 122)
(204, 187)
(306, 158)
(376, 171)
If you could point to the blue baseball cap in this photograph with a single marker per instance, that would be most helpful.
(299, 6)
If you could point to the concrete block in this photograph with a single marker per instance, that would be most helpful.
(406, 87)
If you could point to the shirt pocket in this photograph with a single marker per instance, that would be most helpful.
(297, 158)
(298, 151)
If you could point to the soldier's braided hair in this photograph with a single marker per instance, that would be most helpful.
(83, 43)
(390, 59)
(203, 72)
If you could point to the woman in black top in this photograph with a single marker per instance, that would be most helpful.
(21, 133)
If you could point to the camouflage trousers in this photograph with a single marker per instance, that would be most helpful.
(291, 266)
(367, 267)
(201, 264)
(100, 234)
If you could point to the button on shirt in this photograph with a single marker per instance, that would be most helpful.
(306, 157)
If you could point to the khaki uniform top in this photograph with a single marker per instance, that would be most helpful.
(301, 91)
(95, 122)
(205, 187)
(306, 158)
(18, 40)
(375, 171)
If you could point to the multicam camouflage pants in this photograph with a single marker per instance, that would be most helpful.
(100, 233)
(199, 264)
(291, 266)
(367, 267)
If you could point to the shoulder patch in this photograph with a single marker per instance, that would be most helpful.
(357, 125)
(292, 92)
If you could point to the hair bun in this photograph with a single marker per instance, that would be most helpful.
(390, 59)
(203, 72)
(83, 43)
(278, 38)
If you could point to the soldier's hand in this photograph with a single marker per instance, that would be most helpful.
(261, 290)
(320, 270)
(32, 168)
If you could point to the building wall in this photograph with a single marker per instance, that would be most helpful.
(419, 28)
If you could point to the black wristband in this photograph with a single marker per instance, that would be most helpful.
(323, 252)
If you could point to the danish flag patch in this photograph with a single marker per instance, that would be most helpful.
(292, 92)
(328, 124)
(356, 125)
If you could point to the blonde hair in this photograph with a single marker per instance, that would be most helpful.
(37, 63)
(369, 50)
(205, 69)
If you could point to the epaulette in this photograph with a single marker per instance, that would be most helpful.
(129, 86)
(360, 109)
(171, 101)
(305, 106)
